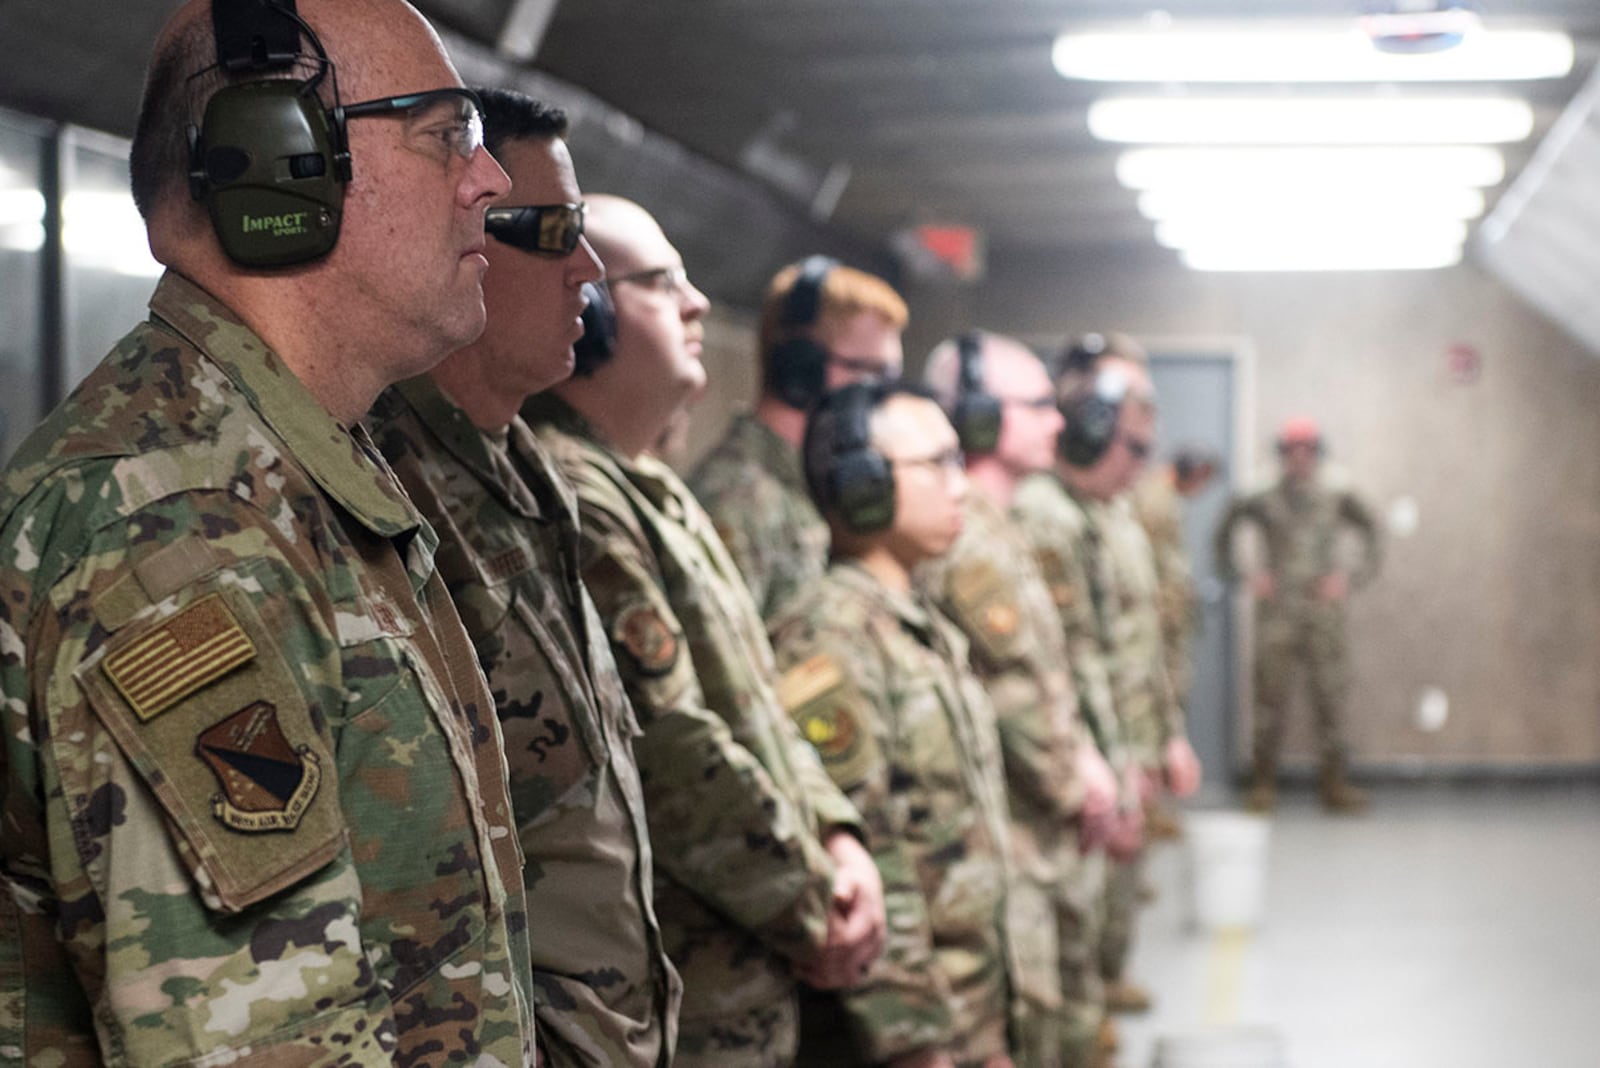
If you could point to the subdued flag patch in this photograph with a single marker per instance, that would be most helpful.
(200, 644)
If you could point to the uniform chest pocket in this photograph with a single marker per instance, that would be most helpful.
(928, 763)
(412, 831)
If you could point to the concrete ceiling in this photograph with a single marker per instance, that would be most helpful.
(937, 110)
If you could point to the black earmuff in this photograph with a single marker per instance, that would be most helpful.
(1091, 415)
(977, 413)
(599, 340)
(859, 483)
(269, 161)
(797, 366)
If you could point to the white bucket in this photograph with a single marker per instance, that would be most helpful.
(1222, 1047)
(1227, 854)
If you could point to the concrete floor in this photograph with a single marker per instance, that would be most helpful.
(1452, 927)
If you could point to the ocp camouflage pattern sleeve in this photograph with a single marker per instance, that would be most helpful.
(989, 585)
(1142, 689)
(888, 716)
(751, 486)
(606, 995)
(1056, 528)
(747, 882)
(1160, 510)
(254, 807)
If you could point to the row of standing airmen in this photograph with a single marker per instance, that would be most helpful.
(329, 605)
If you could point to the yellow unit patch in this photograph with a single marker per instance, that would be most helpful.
(161, 667)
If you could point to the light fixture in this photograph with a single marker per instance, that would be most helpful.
(1366, 120)
(1336, 54)
(1334, 234)
(1222, 168)
(1322, 200)
(1233, 257)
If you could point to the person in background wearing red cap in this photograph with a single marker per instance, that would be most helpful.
(1300, 590)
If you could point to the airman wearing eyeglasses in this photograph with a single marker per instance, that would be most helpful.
(1062, 792)
(605, 992)
(878, 681)
(254, 802)
(750, 482)
(760, 873)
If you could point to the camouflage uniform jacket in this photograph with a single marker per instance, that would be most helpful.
(1067, 547)
(753, 489)
(1301, 527)
(1141, 687)
(878, 683)
(1160, 510)
(989, 585)
(736, 800)
(255, 808)
(508, 529)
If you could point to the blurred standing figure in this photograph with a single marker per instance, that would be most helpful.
(255, 808)
(823, 325)
(761, 877)
(508, 529)
(1300, 597)
(878, 681)
(1158, 500)
(1062, 793)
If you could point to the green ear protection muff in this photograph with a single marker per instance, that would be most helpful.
(599, 338)
(268, 160)
(858, 484)
(797, 367)
(1091, 415)
(977, 412)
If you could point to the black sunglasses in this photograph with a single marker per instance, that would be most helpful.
(545, 229)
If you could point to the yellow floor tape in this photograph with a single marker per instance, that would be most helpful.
(1228, 948)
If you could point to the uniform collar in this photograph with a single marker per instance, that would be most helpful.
(776, 456)
(908, 608)
(652, 477)
(342, 460)
(470, 446)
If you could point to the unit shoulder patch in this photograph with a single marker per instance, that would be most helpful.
(267, 783)
(648, 639)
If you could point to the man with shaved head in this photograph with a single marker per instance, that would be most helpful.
(1062, 792)
(761, 874)
(255, 807)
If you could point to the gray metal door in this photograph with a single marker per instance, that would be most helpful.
(1198, 401)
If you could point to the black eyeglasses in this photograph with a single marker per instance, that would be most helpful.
(947, 463)
(544, 229)
(463, 133)
(668, 280)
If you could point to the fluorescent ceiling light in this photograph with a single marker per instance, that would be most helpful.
(1229, 257)
(1335, 55)
(1320, 201)
(1314, 235)
(1365, 120)
(1149, 168)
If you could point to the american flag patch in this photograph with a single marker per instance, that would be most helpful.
(198, 645)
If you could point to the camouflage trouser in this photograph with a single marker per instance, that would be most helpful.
(1308, 632)
(1078, 917)
(761, 1038)
(1120, 910)
(1036, 1004)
